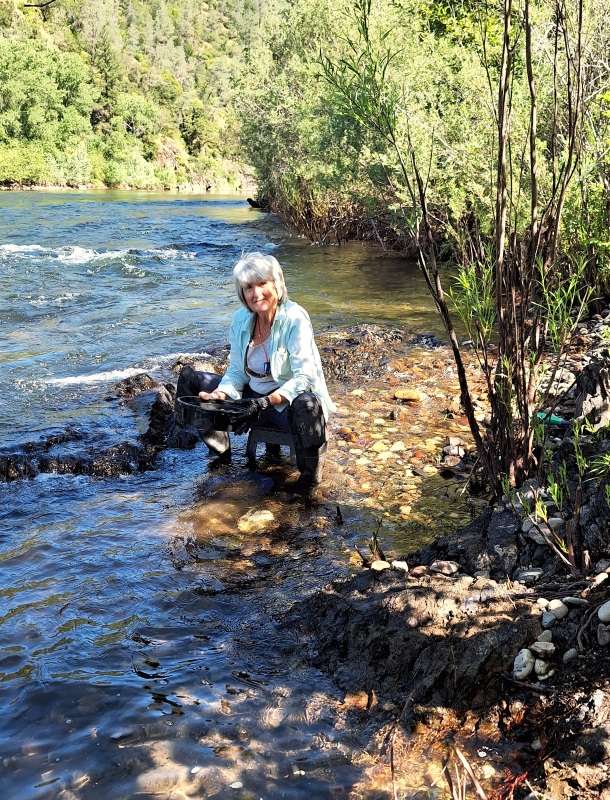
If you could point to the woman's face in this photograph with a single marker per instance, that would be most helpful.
(261, 297)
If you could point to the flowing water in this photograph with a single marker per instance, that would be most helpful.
(140, 649)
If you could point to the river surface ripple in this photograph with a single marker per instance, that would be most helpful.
(141, 653)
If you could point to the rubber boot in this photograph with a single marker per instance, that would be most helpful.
(309, 462)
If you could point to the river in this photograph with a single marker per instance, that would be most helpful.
(131, 663)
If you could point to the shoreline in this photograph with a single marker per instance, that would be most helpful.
(188, 189)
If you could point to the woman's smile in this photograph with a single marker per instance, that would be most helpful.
(261, 296)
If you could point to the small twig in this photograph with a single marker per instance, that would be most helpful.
(39, 5)
(531, 686)
(470, 772)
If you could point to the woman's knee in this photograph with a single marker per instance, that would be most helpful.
(191, 381)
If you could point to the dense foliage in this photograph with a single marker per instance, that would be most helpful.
(438, 65)
(121, 92)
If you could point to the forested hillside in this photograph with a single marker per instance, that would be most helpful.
(122, 92)
(328, 103)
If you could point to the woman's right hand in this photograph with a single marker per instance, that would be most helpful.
(215, 395)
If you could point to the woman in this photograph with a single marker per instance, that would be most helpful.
(274, 355)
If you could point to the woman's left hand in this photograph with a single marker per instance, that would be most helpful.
(276, 399)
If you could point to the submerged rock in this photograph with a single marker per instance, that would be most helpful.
(256, 521)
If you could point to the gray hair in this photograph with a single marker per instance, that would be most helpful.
(258, 268)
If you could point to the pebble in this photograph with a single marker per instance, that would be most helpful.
(418, 571)
(401, 565)
(379, 565)
(542, 602)
(570, 655)
(545, 636)
(236, 785)
(543, 648)
(541, 667)
(524, 664)
(603, 565)
(407, 395)
(528, 576)
(398, 447)
(603, 612)
(575, 601)
(548, 619)
(380, 446)
(535, 535)
(555, 523)
(603, 635)
(445, 567)
(527, 525)
(559, 609)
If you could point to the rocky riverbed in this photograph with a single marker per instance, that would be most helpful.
(464, 646)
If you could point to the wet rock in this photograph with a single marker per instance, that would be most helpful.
(256, 521)
(545, 636)
(523, 664)
(558, 609)
(135, 385)
(603, 613)
(161, 417)
(380, 566)
(161, 779)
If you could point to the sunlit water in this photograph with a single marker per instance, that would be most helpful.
(140, 648)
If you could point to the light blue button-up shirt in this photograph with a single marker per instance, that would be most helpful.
(294, 356)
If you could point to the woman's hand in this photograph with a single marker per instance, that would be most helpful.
(215, 395)
(276, 399)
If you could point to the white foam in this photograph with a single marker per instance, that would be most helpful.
(169, 253)
(16, 249)
(97, 377)
(74, 254)
(159, 361)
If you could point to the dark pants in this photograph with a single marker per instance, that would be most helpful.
(303, 418)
